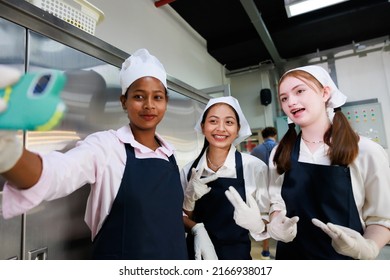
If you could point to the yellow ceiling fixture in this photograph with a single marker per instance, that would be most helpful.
(297, 7)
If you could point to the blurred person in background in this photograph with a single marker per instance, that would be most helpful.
(263, 151)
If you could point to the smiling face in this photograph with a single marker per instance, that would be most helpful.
(145, 102)
(221, 125)
(303, 100)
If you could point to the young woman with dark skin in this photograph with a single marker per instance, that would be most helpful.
(131, 214)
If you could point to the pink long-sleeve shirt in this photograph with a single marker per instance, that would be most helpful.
(98, 160)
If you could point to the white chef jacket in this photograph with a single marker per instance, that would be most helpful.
(370, 177)
(98, 160)
(255, 176)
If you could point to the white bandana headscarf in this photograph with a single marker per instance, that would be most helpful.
(244, 131)
(337, 98)
(141, 64)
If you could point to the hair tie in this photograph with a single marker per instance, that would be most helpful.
(338, 109)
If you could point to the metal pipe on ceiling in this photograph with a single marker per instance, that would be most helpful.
(255, 16)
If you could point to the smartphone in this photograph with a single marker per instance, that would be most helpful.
(34, 102)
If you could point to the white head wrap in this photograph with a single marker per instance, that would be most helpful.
(244, 131)
(337, 98)
(141, 64)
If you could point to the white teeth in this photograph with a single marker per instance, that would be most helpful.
(294, 111)
(219, 137)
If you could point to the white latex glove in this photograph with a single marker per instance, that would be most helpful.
(282, 228)
(204, 248)
(3, 105)
(11, 149)
(196, 188)
(8, 77)
(349, 242)
(246, 215)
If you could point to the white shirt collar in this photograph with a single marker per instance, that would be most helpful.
(228, 165)
(126, 136)
(320, 156)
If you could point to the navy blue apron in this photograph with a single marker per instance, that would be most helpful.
(322, 192)
(146, 220)
(214, 210)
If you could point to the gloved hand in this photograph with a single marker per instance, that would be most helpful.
(196, 188)
(10, 147)
(9, 76)
(282, 228)
(349, 242)
(203, 246)
(245, 215)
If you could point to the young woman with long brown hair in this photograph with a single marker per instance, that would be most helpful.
(329, 187)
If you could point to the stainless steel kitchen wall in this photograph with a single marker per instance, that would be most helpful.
(12, 51)
(56, 229)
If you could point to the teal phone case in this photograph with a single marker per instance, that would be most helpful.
(34, 102)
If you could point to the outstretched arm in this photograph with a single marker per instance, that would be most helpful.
(17, 165)
(26, 172)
